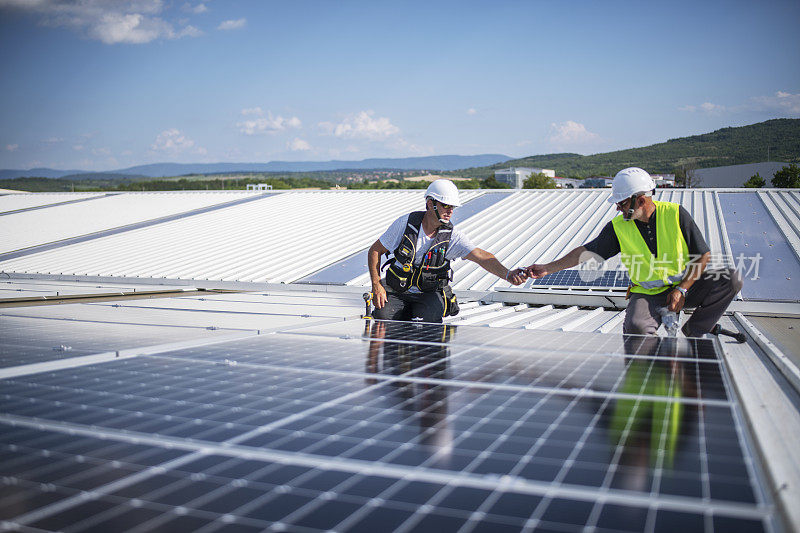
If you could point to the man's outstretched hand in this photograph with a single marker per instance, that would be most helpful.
(536, 271)
(516, 276)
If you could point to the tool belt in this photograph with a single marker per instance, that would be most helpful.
(450, 302)
(433, 274)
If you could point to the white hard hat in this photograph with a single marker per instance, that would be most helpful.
(445, 191)
(628, 182)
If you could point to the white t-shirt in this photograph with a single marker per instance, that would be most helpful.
(460, 246)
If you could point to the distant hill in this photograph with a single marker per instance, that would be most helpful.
(728, 146)
(159, 170)
(437, 162)
(8, 174)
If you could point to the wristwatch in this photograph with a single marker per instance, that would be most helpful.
(682, 291)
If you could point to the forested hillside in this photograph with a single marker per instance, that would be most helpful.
(774, 140)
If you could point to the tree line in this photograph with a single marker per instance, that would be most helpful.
(786, 178)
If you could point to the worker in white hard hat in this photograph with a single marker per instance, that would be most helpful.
(665, 255)
(422, 244)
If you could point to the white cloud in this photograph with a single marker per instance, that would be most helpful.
(706, 107)
(265, 124)
(472, 111)
(327, 128)
(199, 8)
(172, 141)
(12, 147)
(232, 24)
(54, 140)
(298, 145)
(710, 108)
(571, 134)
(781, 102)
(78, 147)
(362, 126)
(108, 21)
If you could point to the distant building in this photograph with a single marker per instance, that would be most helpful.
(664, 180)
(515, 176)
(592, 183)
(567, 183)
(259, 187)
(736, 175)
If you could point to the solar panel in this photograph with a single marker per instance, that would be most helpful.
(584, 278)
(385, 426)
(28, 340)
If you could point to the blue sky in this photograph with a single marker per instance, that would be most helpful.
(107, 84)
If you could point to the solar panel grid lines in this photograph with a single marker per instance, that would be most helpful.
(450, 431)
(583, 278)
(567, 493)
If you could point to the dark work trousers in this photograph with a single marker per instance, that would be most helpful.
(424, 306)
(709, 296)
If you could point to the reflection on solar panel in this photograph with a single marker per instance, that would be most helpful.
(385, 426)
(584, 278)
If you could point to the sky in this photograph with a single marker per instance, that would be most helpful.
(109, 84)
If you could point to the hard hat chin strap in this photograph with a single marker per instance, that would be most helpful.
(442, 221)
(439, 216)
(628, 215)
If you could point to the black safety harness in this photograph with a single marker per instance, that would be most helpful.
(433, 274)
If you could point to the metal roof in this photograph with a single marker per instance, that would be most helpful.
(19, 200)
(26, 228)
(274, 238)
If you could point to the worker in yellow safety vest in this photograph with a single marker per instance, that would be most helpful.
(666, 257)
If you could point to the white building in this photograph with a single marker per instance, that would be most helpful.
(515, 176)
(664, 180)
(567, 183)
(259, 187)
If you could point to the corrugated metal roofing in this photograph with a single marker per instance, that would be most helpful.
(57, 222)
(286, 237)
(280, 238)
(540, 226)
(17, 201)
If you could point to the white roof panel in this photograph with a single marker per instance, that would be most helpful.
(277, 239)
(41, 226)
(17, 201)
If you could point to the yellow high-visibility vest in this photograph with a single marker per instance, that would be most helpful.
(654, 274)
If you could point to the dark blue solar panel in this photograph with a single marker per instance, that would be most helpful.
(584, 278)
(386, 426)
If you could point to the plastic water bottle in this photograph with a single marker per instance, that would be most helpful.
(670, 321)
